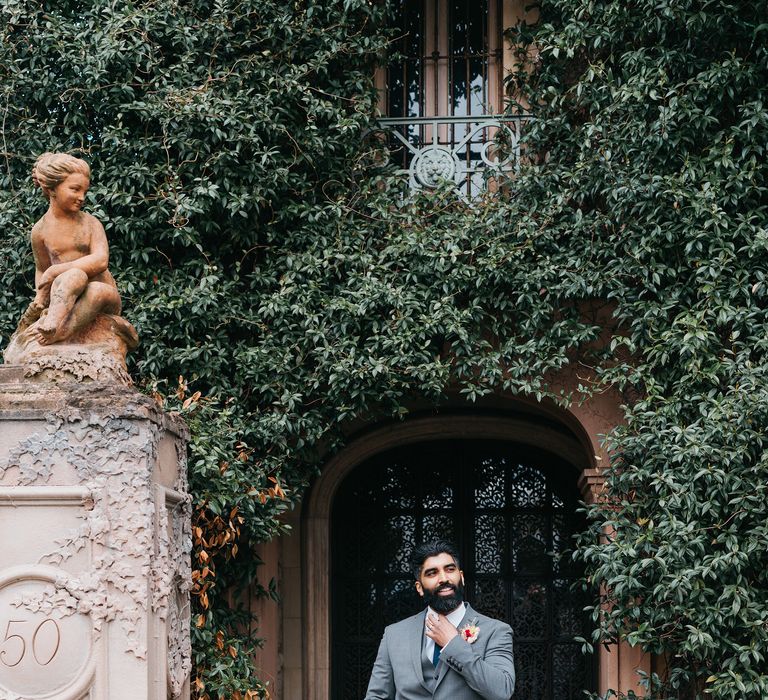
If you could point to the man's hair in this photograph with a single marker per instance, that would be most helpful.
(431, 549)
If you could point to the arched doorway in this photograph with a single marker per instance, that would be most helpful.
(511, 508)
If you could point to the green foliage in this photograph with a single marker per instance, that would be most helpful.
(267, 260)
(218, 133)
(654, 118)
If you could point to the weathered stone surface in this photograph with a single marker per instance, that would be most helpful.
(96, 538)
(96, 353)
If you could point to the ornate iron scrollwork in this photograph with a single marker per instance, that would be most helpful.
(468, 151)
(432, 164)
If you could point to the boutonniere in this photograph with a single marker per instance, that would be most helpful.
(470, 631)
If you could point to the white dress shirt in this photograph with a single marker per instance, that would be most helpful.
(455, 617)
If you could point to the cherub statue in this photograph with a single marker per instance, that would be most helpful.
(77, 301)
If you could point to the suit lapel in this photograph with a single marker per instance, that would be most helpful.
(416, 644)
(468, 614)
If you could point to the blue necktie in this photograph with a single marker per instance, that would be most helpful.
(436, 655)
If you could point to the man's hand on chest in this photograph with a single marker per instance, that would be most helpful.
(440, 629)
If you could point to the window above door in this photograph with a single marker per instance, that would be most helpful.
(443, 93)
(449, 59)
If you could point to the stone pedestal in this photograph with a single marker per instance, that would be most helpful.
(95, 542)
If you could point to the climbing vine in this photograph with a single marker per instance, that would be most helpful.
(653, 196)
(283, 285)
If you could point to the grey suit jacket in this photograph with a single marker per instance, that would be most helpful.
(483, 670)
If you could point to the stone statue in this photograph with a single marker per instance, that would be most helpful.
(73, 328)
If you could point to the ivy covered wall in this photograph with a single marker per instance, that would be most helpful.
(281, 287)
(654, 120)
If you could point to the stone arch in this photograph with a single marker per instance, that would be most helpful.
(561, 432)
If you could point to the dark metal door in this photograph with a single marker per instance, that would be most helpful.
(512, 512)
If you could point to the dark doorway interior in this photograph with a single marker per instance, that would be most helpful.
(512, 511)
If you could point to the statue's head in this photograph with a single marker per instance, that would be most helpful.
(51, 169)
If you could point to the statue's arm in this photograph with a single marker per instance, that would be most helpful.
(92, 264)
(42, 263)
(97, 260)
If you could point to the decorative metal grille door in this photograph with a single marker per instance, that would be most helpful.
(512, 512)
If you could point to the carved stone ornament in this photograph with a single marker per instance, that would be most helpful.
(46, 652)
(96, 575)
(72, 330)
(433, 164)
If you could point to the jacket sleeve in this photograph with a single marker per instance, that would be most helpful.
(491, 676)
(382, 683)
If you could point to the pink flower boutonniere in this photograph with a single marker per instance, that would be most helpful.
(470, 632)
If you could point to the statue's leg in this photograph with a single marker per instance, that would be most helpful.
(98, 298)
(65, 290)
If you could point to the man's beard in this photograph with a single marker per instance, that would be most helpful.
(444, 604)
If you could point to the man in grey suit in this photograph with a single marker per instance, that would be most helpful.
(448, 651)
